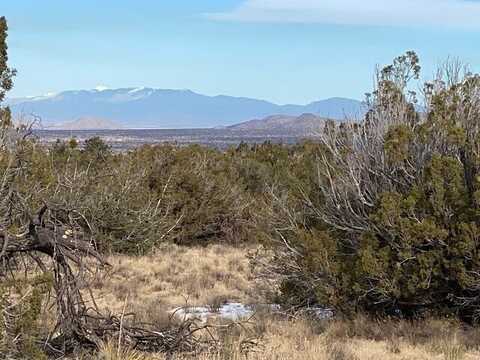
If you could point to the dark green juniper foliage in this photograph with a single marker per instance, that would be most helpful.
(96, 150)
(400, 204)
(6, 73)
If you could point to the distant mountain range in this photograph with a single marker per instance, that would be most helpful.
(158, 108)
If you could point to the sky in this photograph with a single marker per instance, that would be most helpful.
(285, 51)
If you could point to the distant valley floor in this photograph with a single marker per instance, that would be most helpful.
(126, 139)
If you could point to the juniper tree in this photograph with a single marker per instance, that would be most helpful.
(6, 73)
(400, 205)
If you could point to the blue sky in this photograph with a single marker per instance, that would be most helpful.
(286, 51)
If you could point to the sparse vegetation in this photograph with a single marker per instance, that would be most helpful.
(377, 221)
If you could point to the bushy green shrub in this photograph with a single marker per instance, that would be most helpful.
(205, 195)
(398, 215)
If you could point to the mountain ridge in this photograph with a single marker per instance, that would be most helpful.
(169, 108)
(86, 123)
(304, 125)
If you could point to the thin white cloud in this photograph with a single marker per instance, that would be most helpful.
(438, 13)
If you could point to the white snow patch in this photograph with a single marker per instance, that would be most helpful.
(48, 95)
(101, 88)
(229, 311)
(133, 91)
(238, 311)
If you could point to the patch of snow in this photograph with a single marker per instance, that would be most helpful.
(101, 88)
(48, 95)
(229, 311)
(132, 94)
(133, 91)
(239, 311)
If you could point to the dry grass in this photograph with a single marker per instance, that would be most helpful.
(295, 340)
(112, 351)
(173, 276)
(209, 276)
